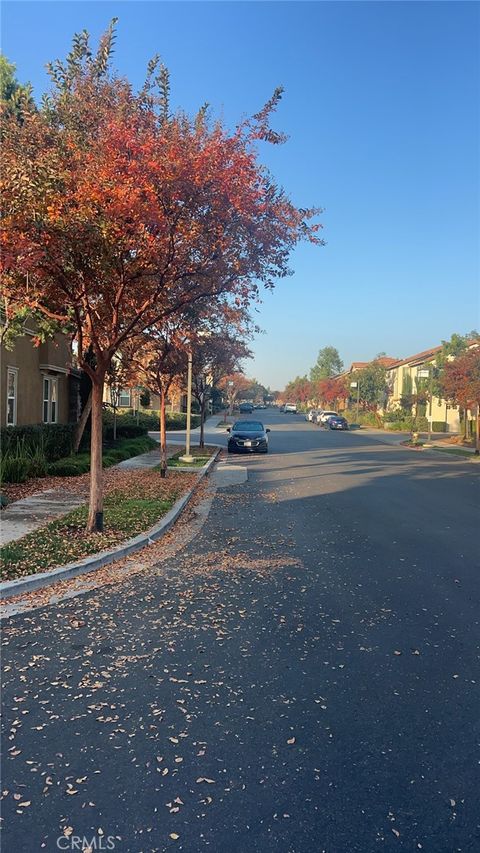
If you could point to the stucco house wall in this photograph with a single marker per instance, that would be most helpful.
(30, 366)
(403, 376)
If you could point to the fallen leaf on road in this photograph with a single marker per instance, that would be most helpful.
(204, 779)
(291, 740)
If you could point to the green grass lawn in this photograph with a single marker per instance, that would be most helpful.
(65, 540)
(456, 451)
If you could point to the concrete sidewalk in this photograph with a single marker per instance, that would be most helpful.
(396, 438)
(23, 516)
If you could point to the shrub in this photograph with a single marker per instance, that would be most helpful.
(14, 469)
(72, 466)
(421, 424)
(124, 430)
(178, 421)
(37, 463)
(108, 460)
(119, 454)
(394, 416)
(65, 468)
(21, 461)
(439, 426)
(56, 440)
(145, 397)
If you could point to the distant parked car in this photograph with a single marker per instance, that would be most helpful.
(248, 437)
(291, 407)
(337, 422)
(245, 408)
(322, 417)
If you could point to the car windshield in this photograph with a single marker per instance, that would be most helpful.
(248, 426)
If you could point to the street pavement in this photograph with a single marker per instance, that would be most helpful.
(301, 677)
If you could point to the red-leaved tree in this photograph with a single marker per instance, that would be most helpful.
(331, 390)
(118, 215)
(460, 383)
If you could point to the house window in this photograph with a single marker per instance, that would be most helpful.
(50, 399)
(124, 398)
(11, 419)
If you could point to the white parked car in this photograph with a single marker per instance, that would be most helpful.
(323, 417)
(291, 407)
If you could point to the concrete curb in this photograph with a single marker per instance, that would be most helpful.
(8, 589)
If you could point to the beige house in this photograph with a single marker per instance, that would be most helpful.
(407, 375)
(38, 384)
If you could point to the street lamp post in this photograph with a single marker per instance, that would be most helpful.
(114, 399)
(138, 391)
(430, 396)
(357, 386)
(188, 457)
(427, 373)
(230, 386)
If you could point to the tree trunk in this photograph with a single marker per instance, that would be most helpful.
(95, 513)
(115, 424)
(163, 436)
(202, 421)
(82, 423)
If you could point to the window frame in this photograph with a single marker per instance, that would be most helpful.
(13, 371)
(122, 394)
(49, 399)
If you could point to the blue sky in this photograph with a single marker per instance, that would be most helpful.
(381, 107)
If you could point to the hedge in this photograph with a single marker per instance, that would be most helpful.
(173, 420)
(56, 440)
(72, 466)
(439, 426)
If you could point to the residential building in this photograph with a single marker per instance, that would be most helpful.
(403, 380)
(39, 384)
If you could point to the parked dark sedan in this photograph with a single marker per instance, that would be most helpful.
(336, 422)
(248, 437)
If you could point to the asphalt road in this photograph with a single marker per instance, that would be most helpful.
(302, 677)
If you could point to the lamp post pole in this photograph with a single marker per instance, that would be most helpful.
(424, 374)
(430, 395)
(188, 457)
(357, 386)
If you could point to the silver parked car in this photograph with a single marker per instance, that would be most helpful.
(323, 416)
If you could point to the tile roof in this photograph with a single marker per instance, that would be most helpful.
(419, 356)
